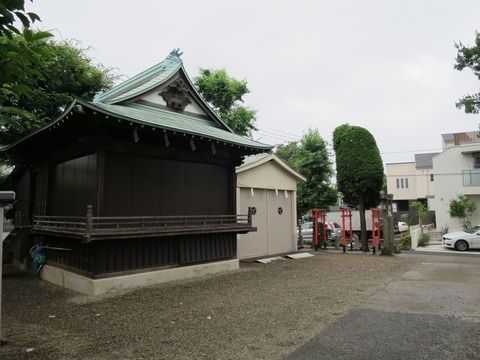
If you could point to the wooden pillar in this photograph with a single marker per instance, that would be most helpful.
(388, 245)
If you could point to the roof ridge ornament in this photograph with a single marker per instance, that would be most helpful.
(98, 96)
(175, 55)
(172, 58)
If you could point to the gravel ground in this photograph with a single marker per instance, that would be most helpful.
(262, 311)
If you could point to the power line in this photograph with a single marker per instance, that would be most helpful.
(284, 132)
(289, 137)
(276, 136)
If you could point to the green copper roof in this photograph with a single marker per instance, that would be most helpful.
(144, 81)
(155, 118)
(167, 120)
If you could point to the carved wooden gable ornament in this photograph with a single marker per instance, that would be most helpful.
(175, 96)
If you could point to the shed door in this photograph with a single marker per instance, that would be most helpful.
(279, 221)
(254, 243)
(274, 227)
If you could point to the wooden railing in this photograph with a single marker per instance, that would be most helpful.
(91, 227)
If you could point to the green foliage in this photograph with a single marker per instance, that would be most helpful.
(360, 174)
(310, 158)
(58, 73)
(289, 153)
(463, 208)
(406, 243)
(469, 57)
(421, 210)
(19, 51)
(406, 219)
(384, 185)
(224, 94)
(424, 240)
(12, 10)
(320, 233)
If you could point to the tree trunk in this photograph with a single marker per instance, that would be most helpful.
(363, 223)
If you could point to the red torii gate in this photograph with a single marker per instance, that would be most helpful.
(376, 233)
(346, 213)
(319, 213)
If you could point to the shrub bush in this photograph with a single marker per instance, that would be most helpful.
(424, 239)
(406, 243)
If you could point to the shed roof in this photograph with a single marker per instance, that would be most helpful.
(253, 161)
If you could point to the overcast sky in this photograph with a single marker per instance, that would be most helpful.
(384, 65)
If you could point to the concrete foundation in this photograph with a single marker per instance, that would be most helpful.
(94, 287)
(25, 266)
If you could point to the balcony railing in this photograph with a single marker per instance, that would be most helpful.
(90, 227)
(471, 177)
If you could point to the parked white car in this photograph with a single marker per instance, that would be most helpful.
(463, 240)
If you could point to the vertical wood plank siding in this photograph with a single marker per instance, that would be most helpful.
(137, 185)
(73, 186)
(40, 207)
(78, 258)
(111, 256)
(207, 247)
(124, 184)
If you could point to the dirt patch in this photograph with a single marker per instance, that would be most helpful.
(262, 311)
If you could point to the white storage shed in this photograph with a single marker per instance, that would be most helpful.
(269, 186)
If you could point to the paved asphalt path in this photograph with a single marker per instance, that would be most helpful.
(431, 312)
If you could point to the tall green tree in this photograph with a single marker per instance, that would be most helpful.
(65, 71)
(469, 57)
(225, 95)
(310, 157)
(360, 172)
(17, 58)
(289, 153)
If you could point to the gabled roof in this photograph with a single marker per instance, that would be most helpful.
(129, 102)
(156, 78)
(142, 82)
(253, 161)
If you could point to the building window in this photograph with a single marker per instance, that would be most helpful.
(431, 177)
(476, 161)
(471, 178)
(402, 183)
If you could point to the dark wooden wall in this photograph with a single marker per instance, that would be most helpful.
(73, 186)
(126, 184)
(137, 185)
(22, 200)
(110, 257)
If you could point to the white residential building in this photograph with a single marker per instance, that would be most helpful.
(457, 171)
(412, 181)
(438, 178)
